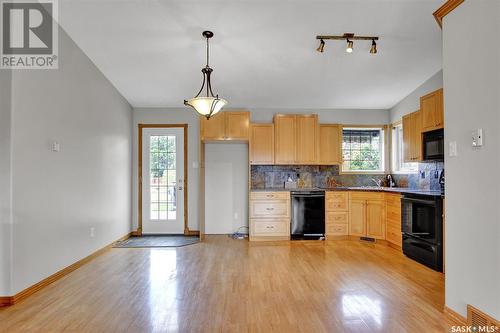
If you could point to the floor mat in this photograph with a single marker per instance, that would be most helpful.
(157, 241)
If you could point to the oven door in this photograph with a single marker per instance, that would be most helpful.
(419, 218)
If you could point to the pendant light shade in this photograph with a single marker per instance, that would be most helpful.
(209, 104)
(206, 106)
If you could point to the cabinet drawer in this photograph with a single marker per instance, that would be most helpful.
(394, 236)
(270, 195)
(336, 229)
(393, 213)
(269, 208)
(337, 201)
(337, 217)
(270, 227)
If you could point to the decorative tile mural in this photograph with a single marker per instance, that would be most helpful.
(274, 176)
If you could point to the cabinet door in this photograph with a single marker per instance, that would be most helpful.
(213, 128)
(329, 144)
(357, 218)
(261, 144)
(439, 109)
(416, 136)
(306, 139)
(431, 106)
(375, 219)
(407, 142)
(284, 136)
(237, 125)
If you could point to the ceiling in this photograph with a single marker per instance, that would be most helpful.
(263, 52)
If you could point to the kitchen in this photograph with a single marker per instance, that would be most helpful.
(299, 188)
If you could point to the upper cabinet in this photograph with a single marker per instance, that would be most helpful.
(330, 138)
(306, 139)
(284, 136)
(412, 137)
(261, 146)
(226, 126)
(296, 139)
(432, 111)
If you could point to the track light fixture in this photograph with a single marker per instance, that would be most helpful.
(373, 49)
(349, 38)
(350, 45)
(321, 46)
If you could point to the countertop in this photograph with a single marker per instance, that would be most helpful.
(402, 190)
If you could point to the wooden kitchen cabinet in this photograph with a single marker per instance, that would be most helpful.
(284, 136)
(269, 214)
(213, 128)
(330, 141)
(336, 214)
(306, 139)
(237, 125)
(226, 126)
(375, 219)
(261, 144)
(412, 137)
(357, 217)
(296, 139)
(432, 110)
(393, 219)
(367, 214)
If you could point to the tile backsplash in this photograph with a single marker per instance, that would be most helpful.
(274, 176)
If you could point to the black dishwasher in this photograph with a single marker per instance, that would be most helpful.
(308, 215)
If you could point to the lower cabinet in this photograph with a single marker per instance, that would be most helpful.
(269, 216)
(393, 219)
(367, 214)
(336, 213)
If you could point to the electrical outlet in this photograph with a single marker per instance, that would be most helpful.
(92, 232)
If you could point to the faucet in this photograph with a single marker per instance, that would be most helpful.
(378, 182)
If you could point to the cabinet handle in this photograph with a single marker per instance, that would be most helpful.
(270, 195)
(269, 208)
(270, 227)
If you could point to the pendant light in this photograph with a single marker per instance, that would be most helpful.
(209, 104)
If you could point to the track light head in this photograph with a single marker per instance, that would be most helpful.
(321, 46)
(350, 46)
(373, 49)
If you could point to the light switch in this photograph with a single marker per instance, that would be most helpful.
(477, 137)
(196, 165)
(56, 147)
(452, 151)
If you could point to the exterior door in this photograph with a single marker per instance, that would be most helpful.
(163, 180)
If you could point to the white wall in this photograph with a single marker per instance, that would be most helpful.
(5, 181)
(472, 90)
(411, 103)
(58, 197)
(171, 116)
(226, 187)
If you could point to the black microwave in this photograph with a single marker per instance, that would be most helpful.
(433, 145)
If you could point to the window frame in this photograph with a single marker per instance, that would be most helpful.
(396, 152)
(384, 152)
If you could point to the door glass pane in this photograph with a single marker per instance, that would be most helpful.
(163, 177)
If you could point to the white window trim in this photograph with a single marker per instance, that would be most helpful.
(396, 154)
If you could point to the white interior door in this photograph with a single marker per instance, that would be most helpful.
(163, 180)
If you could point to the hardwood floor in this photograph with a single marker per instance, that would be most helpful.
(226, 285)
